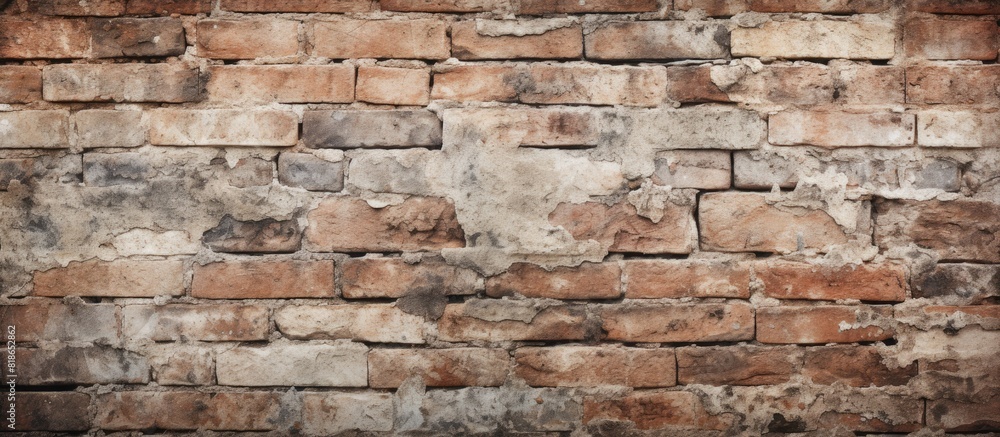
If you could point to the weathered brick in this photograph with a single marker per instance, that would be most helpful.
(44, 38)
(586, 366)
(953, 84)
(298, 364)
(310, 172)
(137, 37)
(51, 411)
(394, 278)
(369, 323)
(494, 39)
(187, 410)
(816, 39)
(325, 6)
(44, 320)
(955, 416)
(958, 230)
(826, 6)
(540, 127)
(621, 228)
(973, 7)
(652, 410)
(229, 39)
(503, 320)
(34, 129)
(254, 236)
(869, 282)
(249, 172)
(20, 84)
(109, 128)
(957, 128)
(349, 129)
(863, 84)
(700, 127)
(394, 86)
(540, 7)
(966, 283)
(85, 365)
(336, 413)
(97, 8)
(265, 279)
(857, 366)
(693, 84)
(655, 279)
(951, 39)
(404, 171)
(704, 169)
(170, 83)
(347, 39)
(658, 40)
(484, 410)
(586, 281)
(678, 323)
(168, 7)
(193, 322)
(714, 8)
(440, 5)
(823, 324)
(20, 170)
(282, 83)
(120, 278)
(841, 129)
(460, 367)
(351, 225)
(174, 364)
(482, 83)
(737, 365)
(746, 222)
(223, 127)
(110, 169)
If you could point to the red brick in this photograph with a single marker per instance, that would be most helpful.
(958, 230)
(168, 7)
(442, 5)
(714, 8)
(344, 39)
(870, 282)
(658, 40)
(43, 319)
(693, 84)
(282, 83)
(48, 38)
(20, 84)
(954, 416)
(263, 279)
(823, 324)
(51, 411)
(862, 84)
(977, 311)
(137, 410)
(122, 278)
(170, 83)
(138, 37)
(503, 320)
(191, 322)
(540, 7)
(737, 365)
(558, 43)
(229, 39)
(470, 83)
(351, 225)
(620, 227)
(587, 366)
(856, 366)
(841, 129)
(586, 281)
(958, 84)
(678, 323)
(394, 86)
(652, 410)
(394, 278)
(460, 367)
(325, 6)
(825, 6)
(655, 279)
(97, 8)
(951, 39)
(973, 7)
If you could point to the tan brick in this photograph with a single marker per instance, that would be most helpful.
(81, 365)
(586, 281)
(20, 84)
(714, 8)
(325, 6)
(441, 5)
(223, 127)
(347, 39)
(816, 39)
(394, 278)
(869, 282)
(856, 366)
(52, 411)
(351, 225)
(955, 416)
(655, 279)
(704, 169)
(737, 365)
(862, 84)
(951, 39)
(170, 83)
(265, 279)
(344, 129)
(394, 86)
(587, 366)
(678, 323)
(826, 6)
(957, 128)
(121, 278)
(109, 128)
(282, 83)
(44, 38)
(470, 83)
(620, 227)
(653, 410)
(191, 322)
(472, 40)
(369, 323)
(841, 129)
(137, 37)
(34, 129)
(823, 324)
(698, 127)
(460, 367)
(543, 127)
(168, 7)
(298, 364)
(541, 7)
(953, 84)
(658, 40)
(174, 364)
(229, 39)
(958, 230)
(135, 410)
(973, 7)
(51, 321)
(504, 320)
(338, 413)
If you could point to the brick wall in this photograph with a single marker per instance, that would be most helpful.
(538, 217)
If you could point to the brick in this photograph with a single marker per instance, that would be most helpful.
(652, 410)
(459, 367)
(495, 39)
(746, 222)
(310, 172)
(656, 279)
(348, 39)
(43, 320)
(678, 323)
(191, 322)
(504, 320)
(181, 365)
(972, 7)
(369, 323)
(902, 414)
(97, 128)
(483, 83)
(825, 6)
(99, 8)
(249, 172)
(395, 278)
(483, 410)
(841, 129)
(34, 129)
(967, 283)
(223, 127)
(301, 365)
(586, 281)
(282, 83)
(52, 411)
(20, 84)
(869, 84)
(254, 236)
(350, 225)
(137, 37)
(953, 84)
(324, 6)
(393, 170)
(541, 127)
(714, 8)
(111, 169)
(816, 39)
(958, 230)
(823, 324)
(621, 228)
(540, 7)
(350, 129)
(956, 128)
(121, 278)
(170, 83)
(168, 7)
(703, 169)
(187, 410)
(20, 170)
(394, 86)
(587, 366)
(658, 40)
(737, 365)
(228, 39)
(700, 127)
(86, 365)
(856, 366)
(440, 5)
(44, 38)
(955, 416)
(951, 39)
(693, 84)
(264, 279)
(334, 413)
(868, 282)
